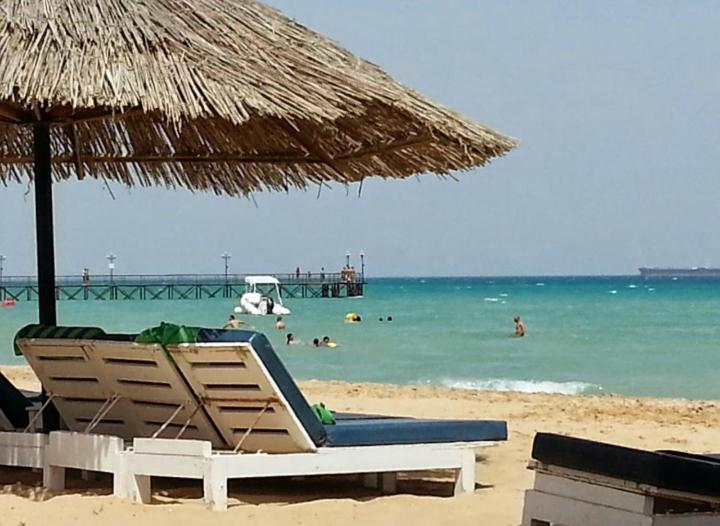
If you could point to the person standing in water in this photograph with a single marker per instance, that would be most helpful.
(232, 323)
(279, 323)
(519, 326)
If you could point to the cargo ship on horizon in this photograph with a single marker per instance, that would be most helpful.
(679, 272)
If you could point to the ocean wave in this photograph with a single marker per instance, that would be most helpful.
(492, 300)
(523, 386)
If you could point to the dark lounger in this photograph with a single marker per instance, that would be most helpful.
(698, 474)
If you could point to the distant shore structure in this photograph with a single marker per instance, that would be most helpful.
(679, 272)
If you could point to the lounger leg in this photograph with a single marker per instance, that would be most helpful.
(388, 482)
(370, 480)
(137, 488)
(140, 488)
(54, 478)
(465, 477)
(215, 485)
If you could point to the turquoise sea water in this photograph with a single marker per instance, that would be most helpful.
(584, 335)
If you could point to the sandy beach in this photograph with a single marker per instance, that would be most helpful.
(501, 472)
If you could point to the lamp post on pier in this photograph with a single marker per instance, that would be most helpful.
(362, 266)
(2, 290)
(347, 259)
(111, 266)
(227, 258)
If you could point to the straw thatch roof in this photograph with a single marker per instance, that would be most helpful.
(222, 95)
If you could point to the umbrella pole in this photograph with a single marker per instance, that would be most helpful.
(45, 245)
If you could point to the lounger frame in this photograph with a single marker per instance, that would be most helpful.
(567, 497)
(134, 464)
(209, 411)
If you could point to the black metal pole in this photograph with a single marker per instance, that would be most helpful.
(45, 244)
(44, 225)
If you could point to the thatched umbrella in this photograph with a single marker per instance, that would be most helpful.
(228, 96)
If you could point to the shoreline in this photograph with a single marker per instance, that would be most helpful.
(24, 378)
(651, 423)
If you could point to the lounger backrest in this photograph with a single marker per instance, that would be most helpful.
(139, 380)
(144, 376)
(68, 375)
(247, 392)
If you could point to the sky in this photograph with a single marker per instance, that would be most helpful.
(616, 105)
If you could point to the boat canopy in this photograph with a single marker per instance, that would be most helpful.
(261, 280)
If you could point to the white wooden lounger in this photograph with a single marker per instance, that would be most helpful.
(209, 411)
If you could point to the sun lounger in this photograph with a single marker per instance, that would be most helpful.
(19, 449)
(218, 407)
(585, 483)
(14, 404)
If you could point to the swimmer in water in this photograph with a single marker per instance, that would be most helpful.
(519, 326)
(290, 340)
(280, 324)
(232, 323)
(316, 342)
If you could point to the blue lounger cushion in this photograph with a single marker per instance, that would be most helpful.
(340, 415)
(390, 431)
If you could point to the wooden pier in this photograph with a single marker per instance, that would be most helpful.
(180, 287)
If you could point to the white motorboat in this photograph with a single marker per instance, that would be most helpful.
(262, 297)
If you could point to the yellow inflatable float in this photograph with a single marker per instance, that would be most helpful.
(352, 317)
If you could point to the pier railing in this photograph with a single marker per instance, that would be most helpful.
(141, 279)
(182, 286)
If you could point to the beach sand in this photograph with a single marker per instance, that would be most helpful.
(501, 470)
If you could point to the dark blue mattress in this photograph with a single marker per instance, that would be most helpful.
(339, 415)
(390, 431)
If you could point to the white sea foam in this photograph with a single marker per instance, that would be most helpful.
(539, 284)
(612, 291)
(522, 386)
(503, 295)
(632, 286)
(492, 300)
